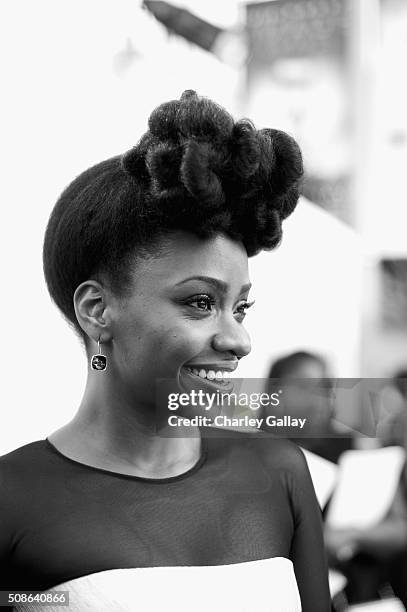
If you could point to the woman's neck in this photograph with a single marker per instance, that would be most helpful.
(113, 432)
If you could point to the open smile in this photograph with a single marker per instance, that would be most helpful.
(209, 378)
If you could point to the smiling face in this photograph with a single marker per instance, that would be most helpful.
(183, 317)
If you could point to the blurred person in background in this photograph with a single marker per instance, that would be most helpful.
(369, 558)
(307, 385)
(375, 558)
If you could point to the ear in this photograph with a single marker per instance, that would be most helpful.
(91, 309)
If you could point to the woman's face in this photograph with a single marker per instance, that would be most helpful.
(183, 318)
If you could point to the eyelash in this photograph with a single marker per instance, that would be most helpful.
(203, 297)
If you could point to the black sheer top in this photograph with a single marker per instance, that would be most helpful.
(249, 497)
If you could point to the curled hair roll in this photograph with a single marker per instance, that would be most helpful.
(163, 164)
(245, 149)
(198, 177)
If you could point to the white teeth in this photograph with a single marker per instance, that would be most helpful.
(211, 374)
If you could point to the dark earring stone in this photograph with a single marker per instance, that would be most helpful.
(98, 362)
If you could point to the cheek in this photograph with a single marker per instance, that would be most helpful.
(160, 350)
(179, 343)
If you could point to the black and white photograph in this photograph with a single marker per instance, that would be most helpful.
(204, 266)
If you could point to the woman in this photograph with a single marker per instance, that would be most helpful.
(146, 257)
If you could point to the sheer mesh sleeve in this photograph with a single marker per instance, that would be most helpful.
(307, 550)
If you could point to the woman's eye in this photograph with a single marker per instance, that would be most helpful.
(206, 303)
(202, 302)
(242, 308)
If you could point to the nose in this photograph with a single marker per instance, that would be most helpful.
(231, 337)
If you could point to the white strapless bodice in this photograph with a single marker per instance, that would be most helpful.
(268, 585)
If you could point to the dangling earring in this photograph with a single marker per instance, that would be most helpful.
(99, 361)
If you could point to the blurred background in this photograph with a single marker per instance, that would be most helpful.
(79, 80)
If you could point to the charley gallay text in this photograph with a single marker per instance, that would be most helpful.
(222, 420)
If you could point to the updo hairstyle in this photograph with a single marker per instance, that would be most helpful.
(195, 169)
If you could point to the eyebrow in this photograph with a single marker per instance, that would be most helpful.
(215, 282)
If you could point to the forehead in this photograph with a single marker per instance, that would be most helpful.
(181, 255)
